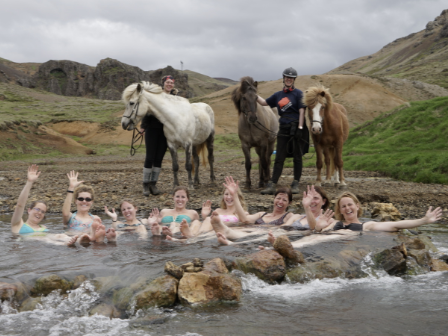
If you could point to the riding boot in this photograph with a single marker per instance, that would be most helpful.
(154, 177)
(146, 178)
(295, 187)
(270, 189)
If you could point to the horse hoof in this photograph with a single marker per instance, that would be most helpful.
(318, 184)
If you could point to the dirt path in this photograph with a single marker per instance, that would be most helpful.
(116, 178)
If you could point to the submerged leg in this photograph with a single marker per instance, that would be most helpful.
(222, 239)
(220, 227)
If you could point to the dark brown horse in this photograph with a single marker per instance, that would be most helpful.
(257, 127)
(329, 130)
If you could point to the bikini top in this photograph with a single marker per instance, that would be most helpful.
(178, 219)
(28, 229)
(75, 224)
(124, 225)
(278, 221)
(351, 226)
(229, 218)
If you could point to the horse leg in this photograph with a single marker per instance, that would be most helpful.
(247, 163)
(173, 152)
(210, 140)
(188, 165)
(196, 165)
(319, 164)
(264, 167)
(328, 157)
(339, 163)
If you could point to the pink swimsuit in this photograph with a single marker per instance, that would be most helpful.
(229, 218)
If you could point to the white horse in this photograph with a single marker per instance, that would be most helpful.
(191, 126)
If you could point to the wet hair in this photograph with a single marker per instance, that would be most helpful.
(34, 203)
(127, 200)
(284, 190)
(181, 188)
(83, 188)
(324, 196)
(223, 204)
(337, 210)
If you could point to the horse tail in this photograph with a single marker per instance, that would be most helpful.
(201, 150)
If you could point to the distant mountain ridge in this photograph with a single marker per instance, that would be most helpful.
(421, 56)
(105, 81)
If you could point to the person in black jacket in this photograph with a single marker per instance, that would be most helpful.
(156, 144)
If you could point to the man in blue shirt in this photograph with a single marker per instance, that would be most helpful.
(293, 135)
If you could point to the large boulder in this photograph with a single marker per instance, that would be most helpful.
(46, 284)
(268, 265)
(392, 261)
(7, 291)
(385, 212)
(30, 304)
(161, 292)
(283, 246)
(209, 287)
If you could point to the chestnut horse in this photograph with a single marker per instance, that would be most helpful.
(329, 130)
(257, 127)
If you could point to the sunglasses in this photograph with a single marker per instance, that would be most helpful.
(39, 210)
(87, 199)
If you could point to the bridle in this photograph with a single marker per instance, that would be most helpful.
(136, 135)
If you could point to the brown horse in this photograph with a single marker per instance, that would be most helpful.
(257, 127)
(329, 130)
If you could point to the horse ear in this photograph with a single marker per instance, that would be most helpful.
(256, 84)
(322, 93)
(139, 88)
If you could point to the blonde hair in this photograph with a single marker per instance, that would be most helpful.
(223, 204)
(337, 210)
(83, 188)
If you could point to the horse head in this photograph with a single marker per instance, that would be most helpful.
(245, 99)
(317, 100)
(133, 113)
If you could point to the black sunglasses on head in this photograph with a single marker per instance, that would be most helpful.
(81, 199)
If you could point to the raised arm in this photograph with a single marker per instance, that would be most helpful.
(73, 183)
(431, 216)
(306, 202)
(33, 175)
(243, 216)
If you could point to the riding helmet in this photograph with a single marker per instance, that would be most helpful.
(290, 72)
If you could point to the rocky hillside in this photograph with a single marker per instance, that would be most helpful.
(105, 81)
(421, 56)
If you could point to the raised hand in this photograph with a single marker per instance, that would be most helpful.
(206, 208)
(433, 216)
(73, 178)
(231, 185)
(154, 216)
(33, 173)
(308, 196)
(324, 220)
(111, 214)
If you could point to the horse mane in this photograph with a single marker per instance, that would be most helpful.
(246, 83)
(318, 94)
(148, 87)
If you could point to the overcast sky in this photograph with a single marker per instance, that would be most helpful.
(231, 38)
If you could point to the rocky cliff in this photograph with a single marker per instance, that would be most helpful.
(421, 56)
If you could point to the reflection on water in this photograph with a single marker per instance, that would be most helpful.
(376, 305)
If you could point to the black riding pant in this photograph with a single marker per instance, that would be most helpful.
(283, 143)
(156, 146)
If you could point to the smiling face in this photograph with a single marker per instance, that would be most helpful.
(348, 209)
(168, 85)
(180, 199)
(289, 81)
(37, 213)
(317, 204)
(129, 211)
(228, 198)
(84, 205)
(281, 202)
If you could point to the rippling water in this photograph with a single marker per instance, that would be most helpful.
(376, 305)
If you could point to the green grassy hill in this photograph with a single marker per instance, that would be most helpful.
(408, 143)
(203, 85)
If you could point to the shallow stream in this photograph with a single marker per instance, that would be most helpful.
(377, 305)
